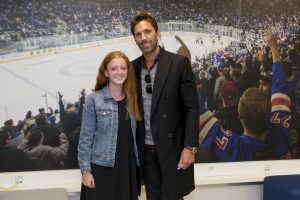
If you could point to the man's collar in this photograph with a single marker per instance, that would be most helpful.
(155, 60)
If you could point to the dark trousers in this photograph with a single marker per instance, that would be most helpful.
(152, 175)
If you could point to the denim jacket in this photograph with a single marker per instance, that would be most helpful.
(99, 130)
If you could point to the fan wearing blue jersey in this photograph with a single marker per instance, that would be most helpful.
(266, 123)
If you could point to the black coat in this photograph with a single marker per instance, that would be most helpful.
(14, 160)
(174, 119)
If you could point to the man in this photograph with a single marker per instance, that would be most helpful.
(12, 159)
(223, 75)
(228, 113)
(168, 98)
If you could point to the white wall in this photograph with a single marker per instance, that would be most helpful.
(238, 180)
(246, 191)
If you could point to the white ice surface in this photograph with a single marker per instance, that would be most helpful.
(25, 82)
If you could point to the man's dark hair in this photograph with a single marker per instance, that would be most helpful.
(40, 121)
(141, 17)
(8, 122)
(35, 136)
(41, 110)
(28, 114)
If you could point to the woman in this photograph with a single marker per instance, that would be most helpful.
(107, 151)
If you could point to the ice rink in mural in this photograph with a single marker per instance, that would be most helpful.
(32, 82)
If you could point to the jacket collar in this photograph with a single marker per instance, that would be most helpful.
(106, 92)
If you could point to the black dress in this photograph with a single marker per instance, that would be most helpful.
(119, 182)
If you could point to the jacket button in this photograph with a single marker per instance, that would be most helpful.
(164, 116)
(170, 135)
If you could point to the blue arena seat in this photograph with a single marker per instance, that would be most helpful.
(285, 187)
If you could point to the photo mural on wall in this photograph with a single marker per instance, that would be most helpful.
(50, 52)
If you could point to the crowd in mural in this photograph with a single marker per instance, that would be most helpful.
(30, 18)
(49, 140)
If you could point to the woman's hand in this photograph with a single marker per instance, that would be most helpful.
(88, 180)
